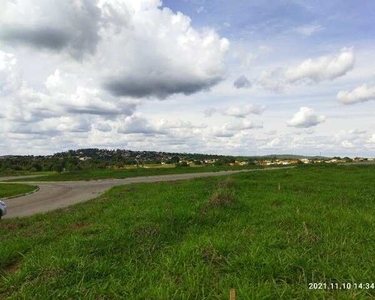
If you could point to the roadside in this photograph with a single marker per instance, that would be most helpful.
(55, 195)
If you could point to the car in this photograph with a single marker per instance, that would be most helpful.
(3, 209)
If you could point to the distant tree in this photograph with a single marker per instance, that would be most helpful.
(183, 164)
(37, 167)
(251, 162)
(174, 159)
(58, 168)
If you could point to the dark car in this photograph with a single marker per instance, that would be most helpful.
(3, 209)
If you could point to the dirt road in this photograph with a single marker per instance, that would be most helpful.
(54, 195)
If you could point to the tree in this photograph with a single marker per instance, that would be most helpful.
(182, 164)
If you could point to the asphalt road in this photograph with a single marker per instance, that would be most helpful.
(55, 195)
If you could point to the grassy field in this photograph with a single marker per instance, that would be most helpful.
(10, 190)
(25, 173)
(266, 234)
(136, 172)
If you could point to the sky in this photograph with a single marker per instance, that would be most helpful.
(244, 77)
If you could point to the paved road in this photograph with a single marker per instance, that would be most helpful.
(54, 195)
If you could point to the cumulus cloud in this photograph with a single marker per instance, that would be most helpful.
(162, 54)
(10, 77)
(179, 124)
(63, 106)
(230, 129)
(121, 51)
(322, 68)
(142, 49)
(244, 125)
(357, 131)
(360, 94)
(347, 144)
(305, 118)
(55, 25)
(243, 111)
(83, 100)
(52, 126)
(313, 70)
(242, 82)
(136, 124)
(371, 140)
(272, 144)
(237, 111)
(151, 86)
(273, 81)
(103, 127)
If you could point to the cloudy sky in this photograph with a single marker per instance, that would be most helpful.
(244, 77)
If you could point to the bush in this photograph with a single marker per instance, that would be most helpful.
(183, 164)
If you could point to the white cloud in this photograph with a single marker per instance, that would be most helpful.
(161, 55)
(273, 143)
(357, 131)
(243, 125)
(305, 118)
(243, 111)
(237, 111)
(273, 81)
(138, 48)
(322, 68)
(10, 79)
(371, 140)
(313, 70)
(362, 93)
(308, 30)
(231, 129)
(347, 144)
(136, 124)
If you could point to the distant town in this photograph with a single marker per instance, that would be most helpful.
(85, 159)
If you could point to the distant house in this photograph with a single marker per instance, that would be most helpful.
(305, 160)
(85, 158)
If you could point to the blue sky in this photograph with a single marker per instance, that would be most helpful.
(249, 77)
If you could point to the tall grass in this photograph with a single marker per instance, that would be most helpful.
(198, 239)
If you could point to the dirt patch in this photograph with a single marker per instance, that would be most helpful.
(13, 266)
(11, 226)
(227, 183)
(222, 198)
(78, 226)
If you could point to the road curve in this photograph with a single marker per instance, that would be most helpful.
(55, 195)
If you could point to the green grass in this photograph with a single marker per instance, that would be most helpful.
(11, 190)
(121, 174)
(24, 173)
(197, 239)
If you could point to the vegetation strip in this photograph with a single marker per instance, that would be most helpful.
(9, 191)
